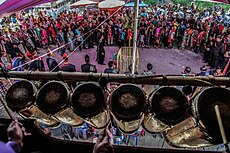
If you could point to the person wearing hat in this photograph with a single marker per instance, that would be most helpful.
(51, 62)
(36, 65)
(203, 71)
(88, 67)
(67, 67)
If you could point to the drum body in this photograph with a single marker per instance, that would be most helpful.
(53, 99)
(127, 104)
(21, 98)
(168, 106)
(89, 102)
(202, 129)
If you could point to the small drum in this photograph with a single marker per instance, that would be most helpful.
(89, 102)
(202, 129)
(21, 97)
(127, 105)
(53, 99)
(168, 106)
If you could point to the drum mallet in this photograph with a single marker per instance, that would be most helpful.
(6, 108)
(221, 129)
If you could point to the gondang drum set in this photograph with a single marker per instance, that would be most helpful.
(184, 123)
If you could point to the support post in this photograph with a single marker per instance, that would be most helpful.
(136, 11)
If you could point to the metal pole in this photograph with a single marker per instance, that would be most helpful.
(136, 10)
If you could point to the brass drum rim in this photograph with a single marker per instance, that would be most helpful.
(195, 111)
(61, 106)
(123, 118)
(25, 105)
(90, 113)
(176, 121)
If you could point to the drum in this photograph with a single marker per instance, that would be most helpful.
(203, 129)
(89, 102)
(168, 106)
(21, 98)
(53, 99)
(127, 104)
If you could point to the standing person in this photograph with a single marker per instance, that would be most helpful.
(123, 36)
(9, 48)
(53, 35)
(171, 37)
(32, 34)
(101, 51)
(157, 36)
(70, 36)
(79, 38)
(61, 41)
(88, 67)
(67, 67)
(44, 35)
(220, 47)
(52, 63)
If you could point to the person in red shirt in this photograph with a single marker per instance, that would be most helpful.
(53, 34)
(221, 28)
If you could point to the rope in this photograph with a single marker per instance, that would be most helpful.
(88, 37)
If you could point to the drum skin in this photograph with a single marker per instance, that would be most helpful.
(169, 104)
(204, 112)
(88, 100)
(20, 95)
(127, 102)
(52, 97)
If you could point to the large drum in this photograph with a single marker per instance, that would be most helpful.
(168, 106)
(89, 102)
(53, 99)
(21, 98)
(127, 105)
(202, 129)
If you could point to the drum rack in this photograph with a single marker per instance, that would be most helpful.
(121, 78)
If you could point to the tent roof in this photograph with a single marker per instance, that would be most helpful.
(83, 3)
(111, 3)
(131, 4)
(8, 7)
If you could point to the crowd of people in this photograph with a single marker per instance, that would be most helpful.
(206, 32)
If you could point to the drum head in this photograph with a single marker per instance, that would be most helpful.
(206, 103)
(170, 105)
(127, 102)
(88, 100)
(52, 97)
(20, 95)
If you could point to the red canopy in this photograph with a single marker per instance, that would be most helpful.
(11, 6)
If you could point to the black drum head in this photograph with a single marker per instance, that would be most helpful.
(206, 103)
(52, 97)
(127, 102)
(88, 100)
(20, 95)
(170, 105)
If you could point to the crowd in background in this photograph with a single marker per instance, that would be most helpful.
(169, 26)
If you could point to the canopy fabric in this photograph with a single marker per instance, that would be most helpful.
(215, 1)
(131, 4)
(10, 6)
(110, 4)
(83, 3)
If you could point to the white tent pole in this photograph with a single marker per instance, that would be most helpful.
(136, 9)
